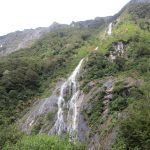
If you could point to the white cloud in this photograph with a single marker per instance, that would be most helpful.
(23, 14)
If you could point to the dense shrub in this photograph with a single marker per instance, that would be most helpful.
(118, 104)
(9, 134)
(24, 74)
(98, 66)
(139, 11)
(120, 63)
(139, 49)
(92, 114)
(135, 131)
(44, 142)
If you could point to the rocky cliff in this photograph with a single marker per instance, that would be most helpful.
(139, 1)
(24, 39)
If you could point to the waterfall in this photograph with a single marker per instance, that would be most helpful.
(60, 124)
(109, 29)
(69, 87)
(96, 48)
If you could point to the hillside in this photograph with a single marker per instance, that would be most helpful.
(25, 39)
(80, 87)
(139, 1)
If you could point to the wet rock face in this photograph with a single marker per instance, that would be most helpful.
(109, 97)
(108, 85)
(119, 47)
(97, 93)
(91, 84)
(69, 111)
(94, 144)
(44, 106)
(139, 1)
(24, 39)
(108, 88)
(118, 50)
(109, 32)
(59, 114)
(82, 129)
(19, 39)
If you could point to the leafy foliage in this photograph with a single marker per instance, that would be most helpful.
(134, 131)
(139, 11)
(9, 134)
(118, 104)
(98, 66)
(45, 142)
(92, 114)
(29, 73)
(24, 73)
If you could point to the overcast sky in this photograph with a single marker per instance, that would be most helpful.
(24, 14)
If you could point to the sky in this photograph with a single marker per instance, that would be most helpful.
(26, 14)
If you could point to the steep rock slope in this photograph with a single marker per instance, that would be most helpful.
(19, 39)
(108, 94)
(139, 1)
(23, 39)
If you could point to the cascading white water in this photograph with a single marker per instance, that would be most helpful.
(60, 124)
(72, 86)
(109, 29)
(72, 117)
(96, 48)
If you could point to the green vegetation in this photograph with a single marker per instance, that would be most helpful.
(44, 142)
(123, 95)
(32, 73)
(134, 131)
(133, 63)
(93, 113)
(42, 120)
(118, 104)
(9, 134)
(97, 67)
(140, 15)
